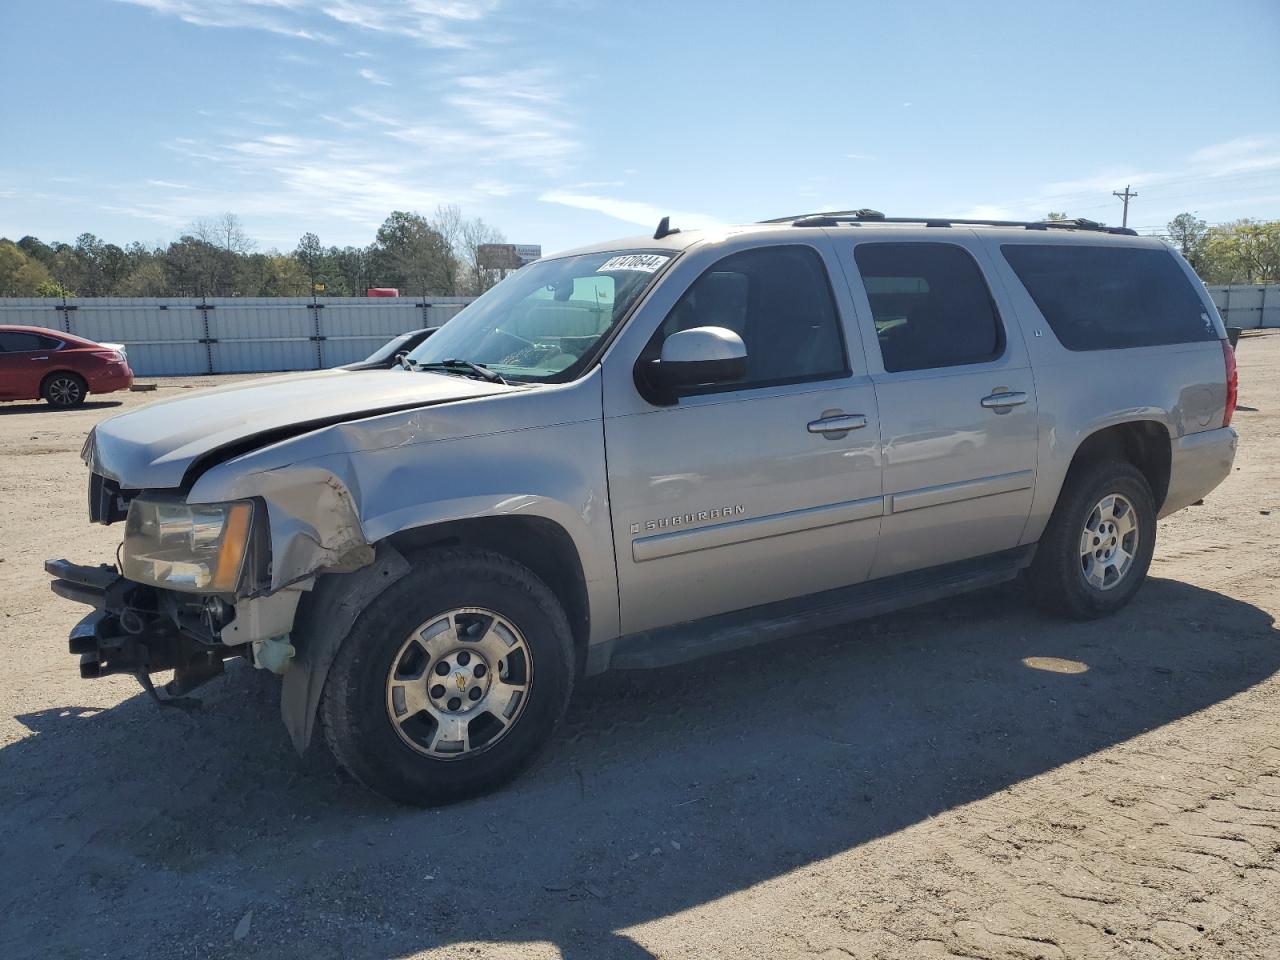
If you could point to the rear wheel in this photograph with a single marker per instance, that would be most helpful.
(64, 390)
(452, 681)
(1098, 545)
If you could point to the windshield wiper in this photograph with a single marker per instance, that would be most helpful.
(463, 367)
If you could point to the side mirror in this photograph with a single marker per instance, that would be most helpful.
(701, 356)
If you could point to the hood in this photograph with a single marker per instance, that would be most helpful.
(154, 447)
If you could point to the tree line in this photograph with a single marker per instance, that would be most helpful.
(215, 257)
(425, 256)
(1243, 251)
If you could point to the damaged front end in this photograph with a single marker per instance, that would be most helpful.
(139, 630)
(189, 593)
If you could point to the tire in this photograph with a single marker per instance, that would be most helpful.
(64, 390)
(386, 712)
(1086, 578)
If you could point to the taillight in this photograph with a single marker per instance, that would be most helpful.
(1233, 381)
(113, 355)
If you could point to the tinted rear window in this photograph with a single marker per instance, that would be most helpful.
(930, 305)
(1105, 298)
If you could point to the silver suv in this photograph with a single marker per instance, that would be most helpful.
(646, 451)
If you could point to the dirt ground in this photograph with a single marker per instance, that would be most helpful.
(970, 779)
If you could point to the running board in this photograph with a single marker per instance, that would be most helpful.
(691, 640)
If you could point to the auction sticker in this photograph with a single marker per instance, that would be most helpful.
(643, 262)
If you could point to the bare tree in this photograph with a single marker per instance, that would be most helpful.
(475, 233)
(225, 232)
(448, 223)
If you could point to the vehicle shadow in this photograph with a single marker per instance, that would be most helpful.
(17, 408)
(668, 789)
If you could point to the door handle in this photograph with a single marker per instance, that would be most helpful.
(39, 358)
(842, 423)
(1002, 401)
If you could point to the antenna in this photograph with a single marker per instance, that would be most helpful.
(664, 229)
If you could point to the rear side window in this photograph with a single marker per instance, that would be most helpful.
(21, 342)
(1106, 298)
(930, 304)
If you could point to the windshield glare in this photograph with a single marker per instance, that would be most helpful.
(542, 322)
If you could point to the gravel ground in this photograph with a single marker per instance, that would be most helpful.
(969, 779)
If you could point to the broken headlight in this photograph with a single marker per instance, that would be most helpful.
(197, 547)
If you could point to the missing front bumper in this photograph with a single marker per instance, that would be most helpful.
(134, 629)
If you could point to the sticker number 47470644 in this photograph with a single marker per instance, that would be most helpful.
(644, 262)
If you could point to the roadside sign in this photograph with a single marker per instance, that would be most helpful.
(507, 256)
(498, 256)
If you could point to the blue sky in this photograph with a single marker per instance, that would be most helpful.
(578, 120)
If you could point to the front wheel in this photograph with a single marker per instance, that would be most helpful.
(451, 681)
(1099, 542)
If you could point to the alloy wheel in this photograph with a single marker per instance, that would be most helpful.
(459, 683)
(64, 392)
(1109, 542)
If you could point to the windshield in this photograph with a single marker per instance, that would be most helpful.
(542, 323)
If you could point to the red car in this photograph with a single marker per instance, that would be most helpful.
(61, 368)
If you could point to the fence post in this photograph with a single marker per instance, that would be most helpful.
(65, 311)
(207, 339)
(318, 337)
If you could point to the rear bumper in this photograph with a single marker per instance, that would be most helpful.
(1199, 462)
(112, 377)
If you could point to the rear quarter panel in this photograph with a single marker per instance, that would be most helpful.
(1180, 386)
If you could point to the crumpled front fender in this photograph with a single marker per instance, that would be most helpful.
(312, 517)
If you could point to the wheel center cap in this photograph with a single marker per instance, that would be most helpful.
(460, 679)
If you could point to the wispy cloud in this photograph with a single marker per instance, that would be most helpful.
(435, 23)
(1243, 154)
(502, 119)
(374, 77)
(629, 211)
(284, 17)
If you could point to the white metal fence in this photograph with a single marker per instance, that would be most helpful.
(176, 336)
(1248, 305)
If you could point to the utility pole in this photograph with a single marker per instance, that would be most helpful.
(1126, 197)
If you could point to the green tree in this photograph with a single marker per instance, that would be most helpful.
(145, 280)
(36, 250)
(1244, 251)
(410, 254)
(198, 268)
(1055, 216)
(311, 256)
(52, 288)
(351, 270)
(20, 275)
(1187, 233)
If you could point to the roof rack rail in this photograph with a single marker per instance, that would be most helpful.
(864, 214)
(836, 217)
